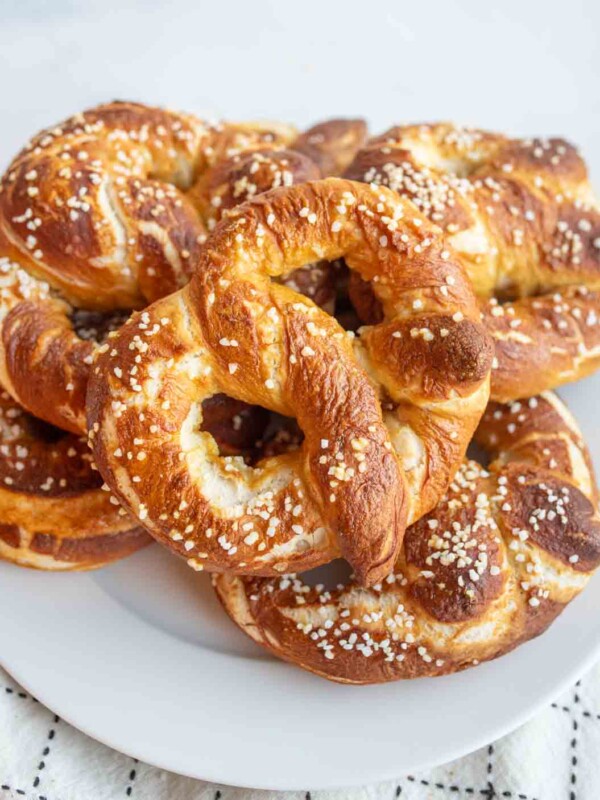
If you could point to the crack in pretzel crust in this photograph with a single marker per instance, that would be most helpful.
(522, 215)
(106, 212)
(361, 473)
(54, 513)
(498, 559)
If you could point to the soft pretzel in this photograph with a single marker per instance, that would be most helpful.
(245, 175)
(95, 214)
(234, 330)
(242, 176)
(54, 513)
(522, 215)
(332, 144)
(498, 559)
(322, 151)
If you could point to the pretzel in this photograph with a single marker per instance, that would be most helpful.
(499, 558)
(94, 214)
(324, 150)
(234, 330)
(54, 513)
(522, 215)
(243, 176)
(332, 144)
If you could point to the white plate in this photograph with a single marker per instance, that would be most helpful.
(141, 657)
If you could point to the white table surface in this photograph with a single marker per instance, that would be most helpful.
(523, 67)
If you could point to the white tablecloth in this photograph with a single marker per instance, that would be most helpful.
(556, 756)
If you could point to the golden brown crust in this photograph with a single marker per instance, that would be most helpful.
(498, 559)
(333, 144)
(540, 342)
(92, 205)
(543, 341)
(98, 213)
(54, 513)
(229, 139)
(520, 211)
(522, 215)
(244, 175)
(43, 361)
(234, 330)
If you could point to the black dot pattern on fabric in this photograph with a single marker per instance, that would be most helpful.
(583, 727)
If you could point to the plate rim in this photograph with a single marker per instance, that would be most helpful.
(571, 645)
(505, 730)
(366, 774)
(333, 786)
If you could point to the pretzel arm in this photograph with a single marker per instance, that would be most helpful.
(260, 342)
(545, 341)
(502, 554)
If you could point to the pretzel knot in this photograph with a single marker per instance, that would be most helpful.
(387, 416)
(98, 213)
(496, 561)
(522, 215)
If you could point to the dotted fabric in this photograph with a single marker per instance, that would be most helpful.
(556, 756)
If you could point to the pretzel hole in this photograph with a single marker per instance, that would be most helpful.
(327, 284)
(236, 427)
(43, 431)
(323, 282)
(281, 435)
(94, 326)
(478, 453)
(335, 575)
(249, 431)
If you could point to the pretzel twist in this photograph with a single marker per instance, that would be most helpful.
(243, 176)
(54, 513)
(324, 150)
(522, 215)
(95, 214)
(354, 484)
(498, 559)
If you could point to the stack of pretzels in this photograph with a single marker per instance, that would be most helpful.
(267, 350)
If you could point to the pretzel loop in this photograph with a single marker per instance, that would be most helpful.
(98, 213)
(522, 215)
(490, 567)
(234, 330)
(53, 512)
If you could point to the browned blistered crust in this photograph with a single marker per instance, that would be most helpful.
(333, 144)
(490, 567)
(522, 215)
(55, 515)
(380, 445)
(106, 212)
(543, 341)
(246, 175)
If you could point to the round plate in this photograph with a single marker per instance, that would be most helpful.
(141, 656)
